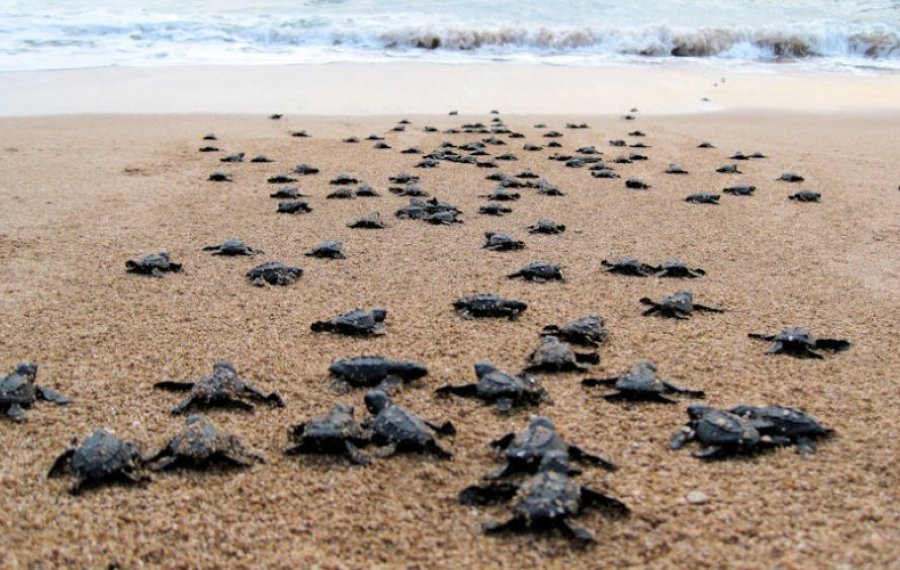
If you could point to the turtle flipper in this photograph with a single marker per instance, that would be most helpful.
(515, 524)
(833, 344)
(593, 499)
(446, 428)
(436, 449)
(233, 460)
(503, 471)
(682, 390)
(709, 452)
(581, 534)
(503, 442)
(757, 336)
(355, 455)
(16, 413)
(776, 348)
(589, 357)
(594, 382)
(173, 386)
(61, 463)
(578, 454)
(708, 309)
(650, 311)
(681, 437)
(466, 391)
(321, 326)
(49, 395)
(492, 494)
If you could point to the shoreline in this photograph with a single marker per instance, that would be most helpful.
(353, 89)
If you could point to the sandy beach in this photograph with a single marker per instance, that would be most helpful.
(84, 193)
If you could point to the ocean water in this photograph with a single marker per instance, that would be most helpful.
(834, 34)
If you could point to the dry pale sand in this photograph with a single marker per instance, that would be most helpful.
(83, 194)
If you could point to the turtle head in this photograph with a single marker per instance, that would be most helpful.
(556, 462)
(376, 400)
(28, 369)
(697, 411)
(379, 314)
(483, 368)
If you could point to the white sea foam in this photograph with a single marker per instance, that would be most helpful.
(41, 34)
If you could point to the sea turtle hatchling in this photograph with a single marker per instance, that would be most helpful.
(678, 305)
(740, 190)
(677, 269)
(327, 250)
(224, 388)
(293, 207)
(287, 193)
(343, 179)
(374, 371)
(200, 445)
(554, 355)
(641, 384)
(799, 342)
(357, 322)
(335, 433)
(636, 184)
(545, 226)
(100, 459)
(305, 169)
(703, 198)
(805, 196)
(237, 157)
(341, 194)
(18, 391)
(728, 169)
(544, 501)
(523, 452)
(790, 177)
(504, 391)
(501, 194)
(545, 188)
(366, 191)
(274, 273)
(154, 265)
(480, 306)
(788, 426)
(675, 169)
(410, 189)
(629, 266)
(231, 247)
(585, 331)
(281, 179)
(720, 433)
(705, 144)
(218, 176)
(371, 221)
(539, 272)
(397, 430)
(501, 242)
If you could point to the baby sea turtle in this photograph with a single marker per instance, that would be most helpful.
(343, 179)
(606, 173)
(501, 194)
(678, 269)
(621, 159)
(366, 191)
(232, 246)
(720, 433)
(237, 157)
(585, 331)
(375, 371)
(341, 194)
(738, 155)
(496, 387)
(545, 226)
(335, 433)
(790, 177)
(703, 198)
(444, 218)
(705, 144)
(494, 209)
(357, 322)
(799, 342)
(274, 273)
(641, 384)
(545, 188)
(788, 426)
(209, 149)
(553, 355)
(403, 178)
(427, 163)
(678, 305)
(410, 189)
(154, 265)
(675, 169)
(478, 306)
(220, 177)
(486, 164)
(293, 207)
(617, 142)
(210, 137)
(327, 250)
(637, 134)
(350, 140)
(740, 190)
(276, 116)
(287, 193)
(805, 196)
(544, 501)
(281, 179)
(636, 157)
(101, 458)
(18, 392)
(539, 272)
(300, 134)
(636, 184)
(532, 147)
(523, 452)
(261, 158)
(728, 169)
(371, 221)
(224, 388)
(381, 145)
(507, 156)
(397, 430)
(552, 134)
(305, 169)
(629, 266)
(200, 445)
(411, 150)
(501, 242)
